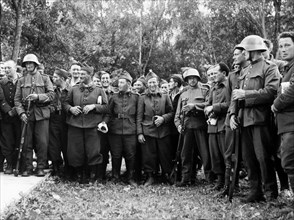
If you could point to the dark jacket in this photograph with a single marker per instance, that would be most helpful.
(123, 113)
(79, 95)
(217, 98)
(39, 84)
(8, 103)
(284, 103)
(260, 80)
(149, 106)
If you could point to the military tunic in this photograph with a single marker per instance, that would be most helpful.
(38, 120)
(157, 145)
(58, 127)
(10, 135)
(260, 81)
(122, 134)
(83, 138)
(195, 134)
(217, 147)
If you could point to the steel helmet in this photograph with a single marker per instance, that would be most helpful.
(191, 72)
(253, 43)
(30, 58)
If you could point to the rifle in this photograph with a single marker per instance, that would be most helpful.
(176, 171)
(236, 156)
(22, 140)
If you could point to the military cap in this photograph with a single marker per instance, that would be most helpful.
(151, 75)
(61, 72)
(142, 80)
(191, 72)
(125, 75)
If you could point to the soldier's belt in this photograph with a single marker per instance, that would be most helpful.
(195, 114)
(123, 116)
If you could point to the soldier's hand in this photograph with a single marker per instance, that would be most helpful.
(32, 97)
(158, 121)
(238, 94)
(141, 139)
(179, 128)
(24, 118)
(75, 110)
(208, 109)
(188, 107)
(274, 110)
(88, 108)
(233, 122)
(10, 113)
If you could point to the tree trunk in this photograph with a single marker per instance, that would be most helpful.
(19, 22)
(1, 30)
(140, 41)
(262, 18)
(277, 5)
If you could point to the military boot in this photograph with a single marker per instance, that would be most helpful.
(56, 169)
(220, 183)
(130, 164)
(93, 172)
(255, 194)
(100, 174)
(116, 164)
(8, 169)
(79, 172)
(150, 180)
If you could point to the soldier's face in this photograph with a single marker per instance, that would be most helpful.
(30, 66)
(238, 57)
(97, 81)
(10, 68)
(164, 88)
(138, 87)
(75, 71)
(192, 81)
(105, 80)
(85, 77)
(153, 84)
(172, 84)
(286, 48)
(123, 85)
(56, 79)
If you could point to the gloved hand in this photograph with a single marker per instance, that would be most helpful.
(102, 127)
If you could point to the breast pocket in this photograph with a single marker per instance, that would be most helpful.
(255, 81)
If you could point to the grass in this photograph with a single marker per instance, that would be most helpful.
(56, 199)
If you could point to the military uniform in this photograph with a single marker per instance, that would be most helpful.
(2, 158)
(83, 138)
(260, 81)
(284, 105)
(10, 135)
(216, 129)
(157, 144)
(195, 131)
(122, 131)
(58, 129)
(38, 120)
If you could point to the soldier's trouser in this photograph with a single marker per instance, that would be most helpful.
(83, 143)
(37, 135)
(10, 137)
(154, 150)
(105, 148)
(195, 140)
(123, 146)
(287, 152)
(257, 149)
(57, 138)
(217, 149)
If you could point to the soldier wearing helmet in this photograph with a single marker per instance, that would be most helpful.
(190, 106)
(37, 88)
(256, 90)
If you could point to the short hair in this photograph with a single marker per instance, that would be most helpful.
(286, 34)
(224, 67)
(268, 44)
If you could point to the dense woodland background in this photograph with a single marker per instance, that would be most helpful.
(137, 35)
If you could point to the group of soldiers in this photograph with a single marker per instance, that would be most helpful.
(78, 118)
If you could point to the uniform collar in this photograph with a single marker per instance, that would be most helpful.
(149, 93)
(256, 61)
(289, 65)
(90, 87)
(128, 93)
